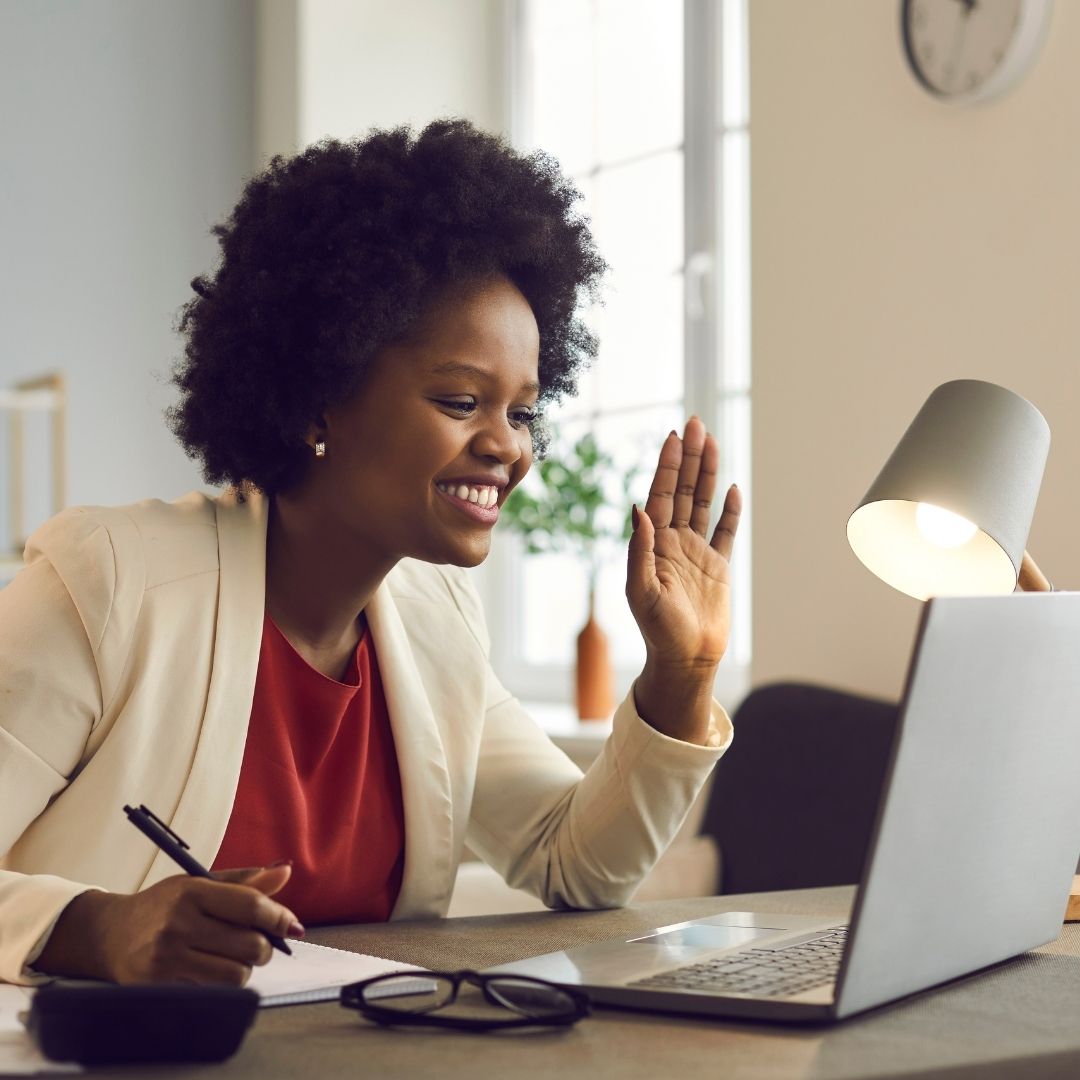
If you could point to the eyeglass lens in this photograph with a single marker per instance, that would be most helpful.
(529, 998)
(421, 994)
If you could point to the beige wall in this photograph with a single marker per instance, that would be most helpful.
(897, 243)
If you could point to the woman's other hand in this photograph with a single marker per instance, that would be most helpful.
(678, 584)
(183, 929)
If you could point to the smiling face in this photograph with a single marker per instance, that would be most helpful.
(418, 463)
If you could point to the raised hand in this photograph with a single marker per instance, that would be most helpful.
(678, 583)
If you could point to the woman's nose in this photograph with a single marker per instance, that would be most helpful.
(498, 440)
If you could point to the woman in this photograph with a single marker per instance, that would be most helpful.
(294, 675)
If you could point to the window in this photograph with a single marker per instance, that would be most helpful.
(644, 104)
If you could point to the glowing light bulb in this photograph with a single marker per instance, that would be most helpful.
(943, 527)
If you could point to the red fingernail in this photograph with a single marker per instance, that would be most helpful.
(635, 517)
(673, 432)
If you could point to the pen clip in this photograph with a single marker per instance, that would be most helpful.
(144, 809)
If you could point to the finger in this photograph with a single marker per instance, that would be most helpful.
(706, 486)
(191, 966)
(641, 559)
(723, 538)
(242, 875)
(244, 906)
(238, 874)
(267, 879)
(693, 444)
(209, 970)
(273, 879)
(231, 942)
(661, 499)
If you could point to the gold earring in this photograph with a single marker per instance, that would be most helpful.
(320, 449)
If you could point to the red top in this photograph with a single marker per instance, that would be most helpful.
(320, 785)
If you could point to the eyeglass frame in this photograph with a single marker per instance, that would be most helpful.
(352, 997)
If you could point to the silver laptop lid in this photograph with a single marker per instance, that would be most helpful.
(977, 837)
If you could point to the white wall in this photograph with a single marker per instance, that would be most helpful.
(126, 133)
(128, 129)
(897, 243)
(339, 67)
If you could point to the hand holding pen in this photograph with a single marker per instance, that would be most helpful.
(184, 928)
(147, 822)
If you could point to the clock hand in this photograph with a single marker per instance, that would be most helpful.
(952, 64)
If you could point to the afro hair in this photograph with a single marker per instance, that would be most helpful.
(334, 254)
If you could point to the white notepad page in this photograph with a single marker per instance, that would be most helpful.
(315, 973)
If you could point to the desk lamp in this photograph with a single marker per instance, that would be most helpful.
(950, 512)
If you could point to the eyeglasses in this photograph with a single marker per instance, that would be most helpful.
(415, 997)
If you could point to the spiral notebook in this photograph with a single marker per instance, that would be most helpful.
(317, 973)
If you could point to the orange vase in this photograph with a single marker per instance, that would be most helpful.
(595, 694)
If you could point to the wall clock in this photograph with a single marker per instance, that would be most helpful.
(972, 50)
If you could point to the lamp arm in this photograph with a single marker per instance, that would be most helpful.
(1031, 578)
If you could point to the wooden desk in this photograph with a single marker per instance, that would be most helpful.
(1019, 1020)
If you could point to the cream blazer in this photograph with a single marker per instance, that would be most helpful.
(129, 646)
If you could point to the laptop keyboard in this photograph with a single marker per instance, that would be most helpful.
(800, 966)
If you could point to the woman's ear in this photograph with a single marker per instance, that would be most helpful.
(316, 435)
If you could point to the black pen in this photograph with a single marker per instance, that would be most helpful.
(147, 822)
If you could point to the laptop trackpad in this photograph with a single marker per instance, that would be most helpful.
(704, 935)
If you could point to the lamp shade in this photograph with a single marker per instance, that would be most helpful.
(950, 512)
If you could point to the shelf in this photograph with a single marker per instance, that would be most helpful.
(41, 400)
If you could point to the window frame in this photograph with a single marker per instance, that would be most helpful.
(708, 390)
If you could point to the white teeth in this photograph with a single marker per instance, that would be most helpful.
(481, 496)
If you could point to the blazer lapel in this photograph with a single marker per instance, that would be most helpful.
(425, 780)
(206, 803)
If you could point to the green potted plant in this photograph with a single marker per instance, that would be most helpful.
(578, 501)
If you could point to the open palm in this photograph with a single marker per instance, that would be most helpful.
(677, 580)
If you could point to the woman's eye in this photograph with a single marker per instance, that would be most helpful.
(519, 417)
(525, 417)
(462, 407)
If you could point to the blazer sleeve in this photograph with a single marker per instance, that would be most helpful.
(54, 617)
(574, 840)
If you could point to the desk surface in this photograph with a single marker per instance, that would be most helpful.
(1019, 1020)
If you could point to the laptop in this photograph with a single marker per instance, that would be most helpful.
(971, 857)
